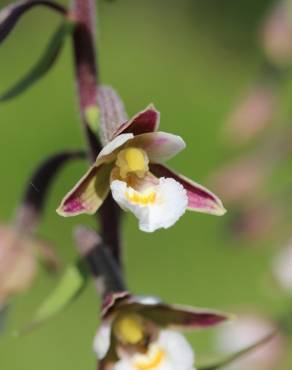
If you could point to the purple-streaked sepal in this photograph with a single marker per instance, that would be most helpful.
(162, 314)
(111, 112)
(11, 14)
(182, 317)
(200, 199)
(111, 300)
(88, 194)
(143, 122)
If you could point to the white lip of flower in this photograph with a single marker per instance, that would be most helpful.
(157, 207)
(157, 203)
(170, 351)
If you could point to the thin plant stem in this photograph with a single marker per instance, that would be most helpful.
(87, 80)
(86, 70)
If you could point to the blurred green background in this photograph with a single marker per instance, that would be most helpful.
(192, 58)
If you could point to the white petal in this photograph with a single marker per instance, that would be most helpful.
(124, 364)
(177, 354)
(116, 143)
(170, 203)
(101, 341)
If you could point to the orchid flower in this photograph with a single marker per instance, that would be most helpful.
(130, 165)
(141, 333)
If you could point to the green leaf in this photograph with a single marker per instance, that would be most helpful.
(46, 61)
(67, 291)
(233, 357)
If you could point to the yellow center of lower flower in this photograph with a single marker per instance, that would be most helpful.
(142, 199)
(151, 360)
(133, 160)
(129, 329)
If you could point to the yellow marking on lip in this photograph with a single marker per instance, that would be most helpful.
(141, 199)
(150, 363)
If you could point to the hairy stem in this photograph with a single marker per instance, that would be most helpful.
(86, 69)
(103, 266)
(110, 219)
(87, 79)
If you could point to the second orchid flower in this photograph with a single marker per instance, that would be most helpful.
(130, 165)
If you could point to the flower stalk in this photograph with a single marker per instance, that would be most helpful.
(103, 267)
(86, 69)
(87, 80)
